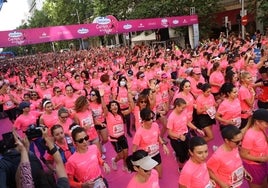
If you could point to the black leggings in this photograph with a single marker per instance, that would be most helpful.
(181, 148)
(128, 122)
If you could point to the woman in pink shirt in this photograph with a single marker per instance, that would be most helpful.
(69, 98)
(216, 79)
(206, 109)
(99, 112)
(84, 166)
(57, 98)
(246, 95)
(145, 176)
(178, 132)
(84, 117)
(254, 150)
(225, 165)
(116, 131)
(49, 116)
(64, 120)
(229, 110)
(185, 93)
(105, 79)
(35, 101)
(148, 138)
(195, 173)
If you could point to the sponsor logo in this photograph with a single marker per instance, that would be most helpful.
(141, 25)
(152, 23)
(103, 20)
(44, 35)
(127, 26)
(15, 34)
(82, 31)
(164, 22)
(185, 21)
(175, 22)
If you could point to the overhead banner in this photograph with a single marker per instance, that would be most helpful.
(101, 26)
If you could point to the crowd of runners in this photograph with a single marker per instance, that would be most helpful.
(157, 95)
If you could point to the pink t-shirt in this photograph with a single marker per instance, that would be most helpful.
(8, 103)
(244, 94)
(68, 102)
(121, 96)
(255, 142)
(50, 119)
(189, 102)
(230, 110)
(85, 166)
(66, 125)
(195, 91)
(178, 127)
(164, 89)
(86, 121)
(23, 121)
(115, 125)
(57, 101)
(152, 182)
(137, 116)
(216, 78)
(203, 102)
(148, 139)
(97, 112)
(107, 93)
(195, 175)
(227, 166)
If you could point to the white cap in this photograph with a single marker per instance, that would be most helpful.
(146, 163)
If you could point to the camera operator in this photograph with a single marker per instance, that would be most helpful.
(62, 181)
(12, 155)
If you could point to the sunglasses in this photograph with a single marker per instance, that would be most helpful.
(92, 94)
(237, 142)
(143, 101)
(33, 95)
(64, 117)
(58, 91)
(81, 140)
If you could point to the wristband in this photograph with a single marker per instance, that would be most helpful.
(53, 150)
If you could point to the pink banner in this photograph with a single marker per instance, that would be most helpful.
(103, 26)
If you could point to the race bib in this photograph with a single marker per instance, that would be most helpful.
(96, 112)
(211, 112)
(118, 129)
(99, 183)
(237, 177)
(124, 100)
(9, 103)
(87, 122)
(237, 121)
(153, 149)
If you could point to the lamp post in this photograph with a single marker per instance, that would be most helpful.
(242, 15)
(78, 21)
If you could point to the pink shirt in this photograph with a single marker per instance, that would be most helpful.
(255, 142)
(216, 78)
(115, 125)
(50, 119)
(107, 93)
(8, 103)
(203, 102)
(86, 121)
(23, 121)
(97, 112)
(66, 125)
(244, 94)
(227, 166)
(148, 139)
(121, 95)
(152, 182)
(85, 166)
(57, 101)
(164, 89)
(68, 102)
(178, 127)
(230, 110)
(189, 102)
(137, 116)
(195, 175)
